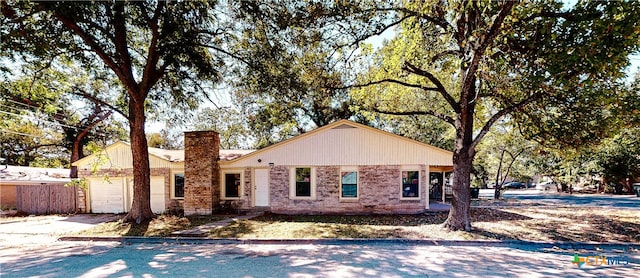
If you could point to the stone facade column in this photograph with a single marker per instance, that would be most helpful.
(201, 172)
(81, 205)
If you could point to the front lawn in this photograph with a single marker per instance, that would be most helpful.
(160, 226)
(536, 223)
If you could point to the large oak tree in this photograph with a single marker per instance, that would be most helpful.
(474, 63)
(157, 50)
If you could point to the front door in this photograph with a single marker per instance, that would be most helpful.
(261, 188)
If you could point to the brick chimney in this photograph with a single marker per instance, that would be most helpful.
(201, 172)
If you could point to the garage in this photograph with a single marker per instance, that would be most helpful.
(107, 196)
(110, 196)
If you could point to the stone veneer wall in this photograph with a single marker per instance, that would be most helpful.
(248, 184)
(379, 192)
(154, 172)
(81, 203)
(245, 201)
(201, 172)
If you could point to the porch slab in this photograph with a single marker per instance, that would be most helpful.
(435, 207)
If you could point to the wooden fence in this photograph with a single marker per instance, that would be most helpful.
(46, 199)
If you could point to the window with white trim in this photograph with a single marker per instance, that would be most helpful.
(411, 184)
(231, 185)
(178, 186)
(302, 183)
(349, 184)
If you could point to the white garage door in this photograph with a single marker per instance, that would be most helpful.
(106, 196)
(157, 194)
(111, 196)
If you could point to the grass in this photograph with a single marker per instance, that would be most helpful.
(161, 226)
(533, 223)
(494, 220)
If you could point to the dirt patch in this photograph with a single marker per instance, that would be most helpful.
(160, 226)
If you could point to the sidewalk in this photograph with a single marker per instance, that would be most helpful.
(203, 230)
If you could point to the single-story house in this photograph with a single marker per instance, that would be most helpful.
(37, 190)
(343, 167)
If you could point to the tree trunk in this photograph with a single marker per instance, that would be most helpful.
(76, 146)
(75, 156)
(499, 180)
(141, 207)
(460, 213)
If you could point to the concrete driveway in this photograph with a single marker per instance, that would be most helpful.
(17, 231)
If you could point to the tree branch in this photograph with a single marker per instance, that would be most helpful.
(377, 33)
(481, 49)
(440, 116)
(232, 55)
(487, 126)
(564, 15)
(436, 57)
(439, 87)
(439, 21)
(81, 92)
(151, 75)
(386, 80)
(122, 52)
(91, 42)
(86, 130)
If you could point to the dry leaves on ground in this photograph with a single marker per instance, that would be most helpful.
(533, 223)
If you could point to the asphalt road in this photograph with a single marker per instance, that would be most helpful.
(28, 248)
(349, 260)
(554, 198)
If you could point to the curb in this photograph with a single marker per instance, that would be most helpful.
(424, 242)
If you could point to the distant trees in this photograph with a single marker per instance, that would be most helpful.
(232, 126)
(37, 118)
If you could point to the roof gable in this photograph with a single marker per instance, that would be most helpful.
(345, 143)
(119, 154)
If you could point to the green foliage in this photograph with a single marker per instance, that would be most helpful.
(163, 140)
(619, 157)
(159, 52)
(557, 71)
(505, 154)
(81, 183)
(42, 114)
(163, 47)
(292, 79)
(230, 124)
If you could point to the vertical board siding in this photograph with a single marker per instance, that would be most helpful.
(119, 157)
(349, 146)
(46, 199)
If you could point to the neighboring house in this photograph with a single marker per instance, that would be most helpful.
(343, 167)
(38, 190)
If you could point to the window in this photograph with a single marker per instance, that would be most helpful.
(178, 185)
(303, 182)
(232, 185)
(349, 184)
(410, 184)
